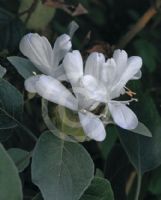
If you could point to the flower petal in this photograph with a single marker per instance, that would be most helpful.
(92, 126)
(38, 50)
(52, 90)
(108, 72)
(73, 65)
(137, 75)
(93, 64)
(61, 47)
(59, 73)
(120, 57)
(122, 115)
(92, 89)
(30, 83)
(133, 67)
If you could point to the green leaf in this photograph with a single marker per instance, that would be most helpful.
(108, 143)
(20, 157)
(10, 184)
(99, 173)
(5, 134)
(41, 16)
(37, 197)
(62, 170)
(11, 105)
(100, 189)
(2, 71)
(5, 16)
(23, 66)
(144, 152)
(142, 130)
(149, 57)
(11, 30)
(155, 182)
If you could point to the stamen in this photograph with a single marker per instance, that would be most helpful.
(129, 92)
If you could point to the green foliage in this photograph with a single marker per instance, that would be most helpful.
(99, 189)
(142, 130)
(155, 182)
(62, 170)
(144, 152)
(20, 157)
(2, 71)
(38, 197)
(11, 30)
(109, 142)
(5, 16)
(23, 66)
(5, 134)
(99, 173)
(9, 179)
(147, 50)
(11, 105)
(41, 16)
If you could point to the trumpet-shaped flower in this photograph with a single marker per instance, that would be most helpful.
(53, 90)
(100, 82)
(104, 81)
(47, 59)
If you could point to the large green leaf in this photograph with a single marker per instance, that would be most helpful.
(155, 182)
(23, 66)
(11, 30)
(11, 105)
(150, 57)
(144, 152)
(62, 170)
(10, 184)
(6, 133)
(20, 157)
(100, 189)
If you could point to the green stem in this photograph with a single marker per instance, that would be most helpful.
(138, 188)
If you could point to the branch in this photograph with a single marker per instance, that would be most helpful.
(29, 11)
(142, 22)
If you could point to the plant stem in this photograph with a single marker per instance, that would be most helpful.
(29, 11)
(140, 24)
(138, 188)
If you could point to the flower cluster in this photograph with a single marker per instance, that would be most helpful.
(95, 86)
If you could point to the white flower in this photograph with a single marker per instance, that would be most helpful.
(54, 91)
(105, 80)
(47, 59)
(100, 82)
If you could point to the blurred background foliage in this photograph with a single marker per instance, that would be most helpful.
(102, 24)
